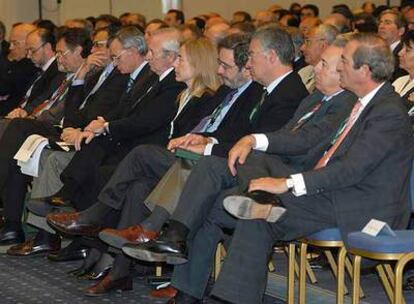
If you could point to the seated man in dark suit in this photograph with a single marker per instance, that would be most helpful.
(41, 46)
(16, 71)
(4, 45)
(344, 182)
(72, 49)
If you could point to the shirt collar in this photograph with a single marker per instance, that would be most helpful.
(329, 97)
(48, 64)
(275, 82)
(394, 45)
(244, 87)
(367, 98)
(163, 75)
(135, 73)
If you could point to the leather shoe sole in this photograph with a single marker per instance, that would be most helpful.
(142, 254)
(29, 248)
(244, 207)
(63, 256)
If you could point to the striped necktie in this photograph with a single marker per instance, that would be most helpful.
(255, 111)
(305, 118)
(340, 135)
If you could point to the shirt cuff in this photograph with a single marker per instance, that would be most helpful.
(209, 148)
(106, 127)
(299, 187)
(261, 142)
(78, 82)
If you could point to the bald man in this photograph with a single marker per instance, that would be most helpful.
(16, 71)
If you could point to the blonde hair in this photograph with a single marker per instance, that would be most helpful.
(202, 56)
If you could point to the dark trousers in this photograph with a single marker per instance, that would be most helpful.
(133, 180)
(13, 183)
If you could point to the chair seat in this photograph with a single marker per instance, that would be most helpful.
(330, 234)
(403, 242)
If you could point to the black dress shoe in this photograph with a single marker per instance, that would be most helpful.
(255, 205)
(9, 236)
(68, 255)
(158, 250)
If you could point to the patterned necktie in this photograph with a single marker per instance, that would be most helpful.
(58, 95)
(305, 118)
(255, 111)
(130, 84)
(206, 124)
(340, 135)
(25, 99)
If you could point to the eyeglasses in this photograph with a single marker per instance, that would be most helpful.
(308, 41)
(100, 43)
(62, 54)
(32, 51)
(118, 57)
(225, 66)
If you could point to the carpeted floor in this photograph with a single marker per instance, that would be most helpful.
(36, 280)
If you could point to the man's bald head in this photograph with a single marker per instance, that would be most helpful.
(17, 39)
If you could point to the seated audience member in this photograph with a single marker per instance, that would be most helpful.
(295, 9)
(216, 32)
(133, 19)
(200, 23)
(241, 16)
(80, 23)
(291, 144)
(264, 17)
(16, 71)
(241, 28)
(40, 45)
(309, 23)
(289, 20)
(391, 27)
(45, 24)
(309, 11)
(298, 40)
(195, 103)
(104, 21)
(190, 31)
(318, 39)
(174, 18)
(326, 192)
(271, 68)
(409, 17)
(365, 23)
(368, 7)
(405, 84)
(152, 26)
(4, 45)
(72, 48)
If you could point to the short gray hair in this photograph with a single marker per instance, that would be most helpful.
(327, 32)
(277, 39)
(172, 41)
(342, 39)
(132, 37)
(376, 54)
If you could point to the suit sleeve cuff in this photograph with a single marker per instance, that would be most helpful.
(299, 187)
(106, 127)
(261, 142)
(208, 149)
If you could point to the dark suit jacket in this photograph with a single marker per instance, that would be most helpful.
(277, 109)
(15, 78)
(236, 123)
(300, 63)
(294, 145)
(195, 110)
(142, 83)
(44, 87)
(4, 48)
(151, 115)
(103, 101)
(368, 175)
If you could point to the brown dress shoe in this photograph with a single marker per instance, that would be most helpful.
(68, 223)
(134, 234)
(31, 248)
(107, 285)
(166, 292)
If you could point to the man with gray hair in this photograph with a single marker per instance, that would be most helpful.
(344, 183)
(144, 119)
(317, 40)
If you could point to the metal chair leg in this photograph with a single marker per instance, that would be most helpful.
(356, 280)
(302, 272)
(334, 267)
(385, 282)
(341, 276)
(291, 274)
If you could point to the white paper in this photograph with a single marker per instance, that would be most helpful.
(28, 156)
(376, 227)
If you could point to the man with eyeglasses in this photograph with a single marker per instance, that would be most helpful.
(392, 26)
(16, 71)
(75, 44)
(96, 91)
(40, 45)
(317, 40)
